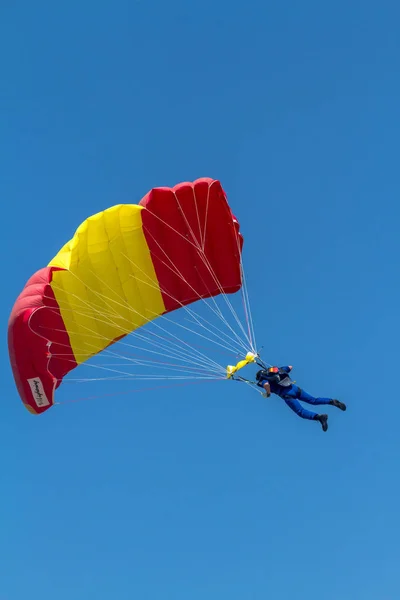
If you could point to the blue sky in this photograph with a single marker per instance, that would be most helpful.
(211, 491)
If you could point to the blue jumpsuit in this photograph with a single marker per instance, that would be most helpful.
(283, 386)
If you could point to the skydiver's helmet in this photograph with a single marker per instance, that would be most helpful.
(261, 373)
(265, 372)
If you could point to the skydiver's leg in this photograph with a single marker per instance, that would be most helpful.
(306, 397)
(299, 410)
(290, 398)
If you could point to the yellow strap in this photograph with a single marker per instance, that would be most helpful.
(232, 369)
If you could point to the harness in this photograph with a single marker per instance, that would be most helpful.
(275, 376)
(269, 374)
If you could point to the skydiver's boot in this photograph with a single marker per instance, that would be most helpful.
(323, 419)
(338, 404)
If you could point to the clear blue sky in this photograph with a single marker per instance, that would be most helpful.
(211, 491)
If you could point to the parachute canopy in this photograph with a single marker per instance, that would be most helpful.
(131, 262)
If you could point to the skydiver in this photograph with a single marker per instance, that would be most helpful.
(276, 380)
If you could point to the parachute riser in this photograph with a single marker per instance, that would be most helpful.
(239, 378)
(261, 364)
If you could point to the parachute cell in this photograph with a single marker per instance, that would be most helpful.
(123, 268)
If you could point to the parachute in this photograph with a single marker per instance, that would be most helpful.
(124, 268)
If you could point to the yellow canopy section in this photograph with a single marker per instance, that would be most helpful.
(107, 286)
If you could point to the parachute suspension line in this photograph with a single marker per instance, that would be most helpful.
(251, 356)
(144, 377)
(141, 362)
(146, 363)
(197, 319)
(216, 312)
(232, 310)
(108, 352)
(245, 311)
(243, 345)
(185, 357)
(229, 304)
(151, 333)
(190, 311)
(224, 296)
(246, 302)
(203, 258)
(196, 354)
(198, 358)
(246, 298)
(199, 334)
(198, 372)
(218, 333)
(201, 252)
(206, 374)
(222, 293)
(162, 316)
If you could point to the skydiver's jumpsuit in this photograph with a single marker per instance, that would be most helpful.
(281, 385)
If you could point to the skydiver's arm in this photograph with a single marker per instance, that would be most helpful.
(287, 369)
(267, 389)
